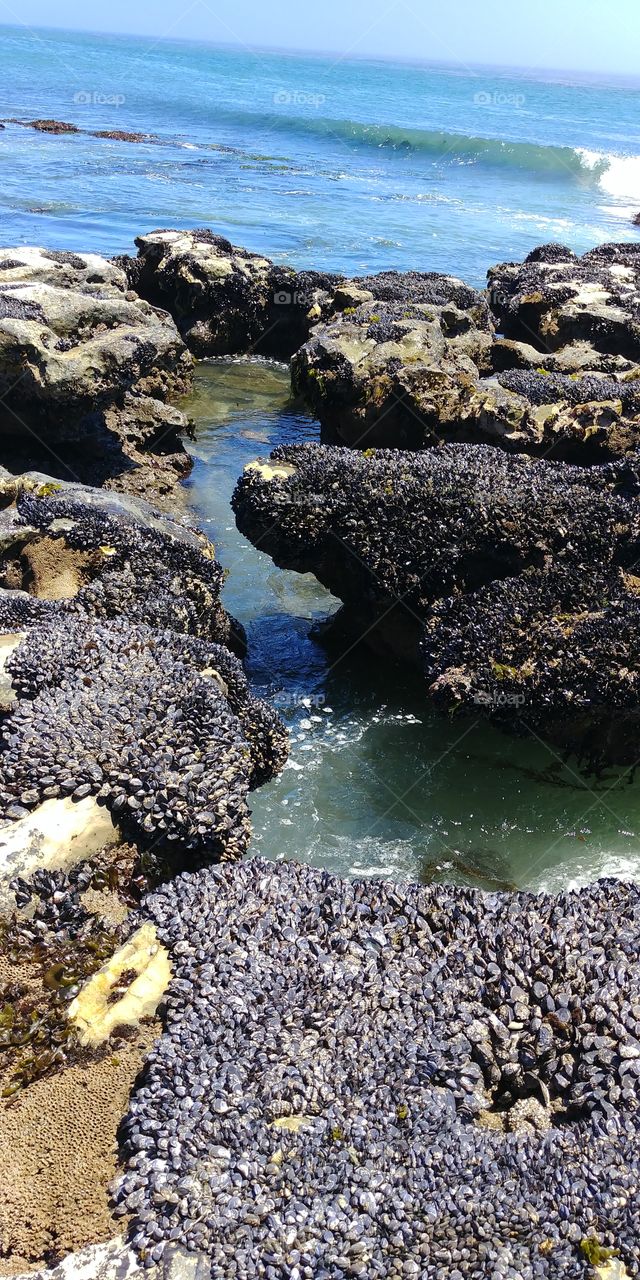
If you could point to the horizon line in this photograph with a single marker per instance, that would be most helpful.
(462, 66)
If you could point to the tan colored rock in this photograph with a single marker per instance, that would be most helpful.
(57, 834)
(8, 645)
(127, 989)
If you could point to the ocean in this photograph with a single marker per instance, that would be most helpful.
(356, 166)
(324, 162)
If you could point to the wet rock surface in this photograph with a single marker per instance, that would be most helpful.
(223, 298)
(372, 1079)
(514, 577)
(86, 368)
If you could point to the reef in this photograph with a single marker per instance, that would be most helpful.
(397, 1081)
(224, 299)
(48, 126)
(512, 583)
(560, 380)
(87, 372)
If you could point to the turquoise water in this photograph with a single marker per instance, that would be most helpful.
(352, 165)
(377, 783)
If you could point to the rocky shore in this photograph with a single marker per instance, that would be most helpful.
(88, 373)
(269, 1071)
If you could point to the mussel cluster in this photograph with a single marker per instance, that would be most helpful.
(517, 578)
(360, 1078)
(159, 726)
(134, 570)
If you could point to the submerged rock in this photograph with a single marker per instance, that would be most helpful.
(387, 1019)
(511, 582)
(224, 299)
(49, 126)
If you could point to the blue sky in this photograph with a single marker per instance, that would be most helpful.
(582, 34)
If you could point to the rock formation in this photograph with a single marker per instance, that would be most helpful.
(87, 369)
(223, 299)
(512, 582)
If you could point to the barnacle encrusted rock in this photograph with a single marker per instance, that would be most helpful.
(223, 298)
(85, 362)
(405, 374)
(553, 650)
(401, 369)
(515, 578)
(160, 727)
(127, 989)
(555, 299)
(391, 1017)
(79, 551)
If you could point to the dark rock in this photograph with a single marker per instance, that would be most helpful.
(161, 727)
(103, 556)
(121, 135)
(224, 299)
(50, 126)
(511, 582)
(554, 299)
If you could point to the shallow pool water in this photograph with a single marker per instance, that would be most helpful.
(377, 782)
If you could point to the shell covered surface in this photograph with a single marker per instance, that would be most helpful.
(516, 578)
(161, 727)
(152, 573)
(124, 686)
(459, 1074)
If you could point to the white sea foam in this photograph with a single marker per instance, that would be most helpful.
(617, 175)
(567, 876)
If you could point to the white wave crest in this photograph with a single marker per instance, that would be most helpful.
(617, 175)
